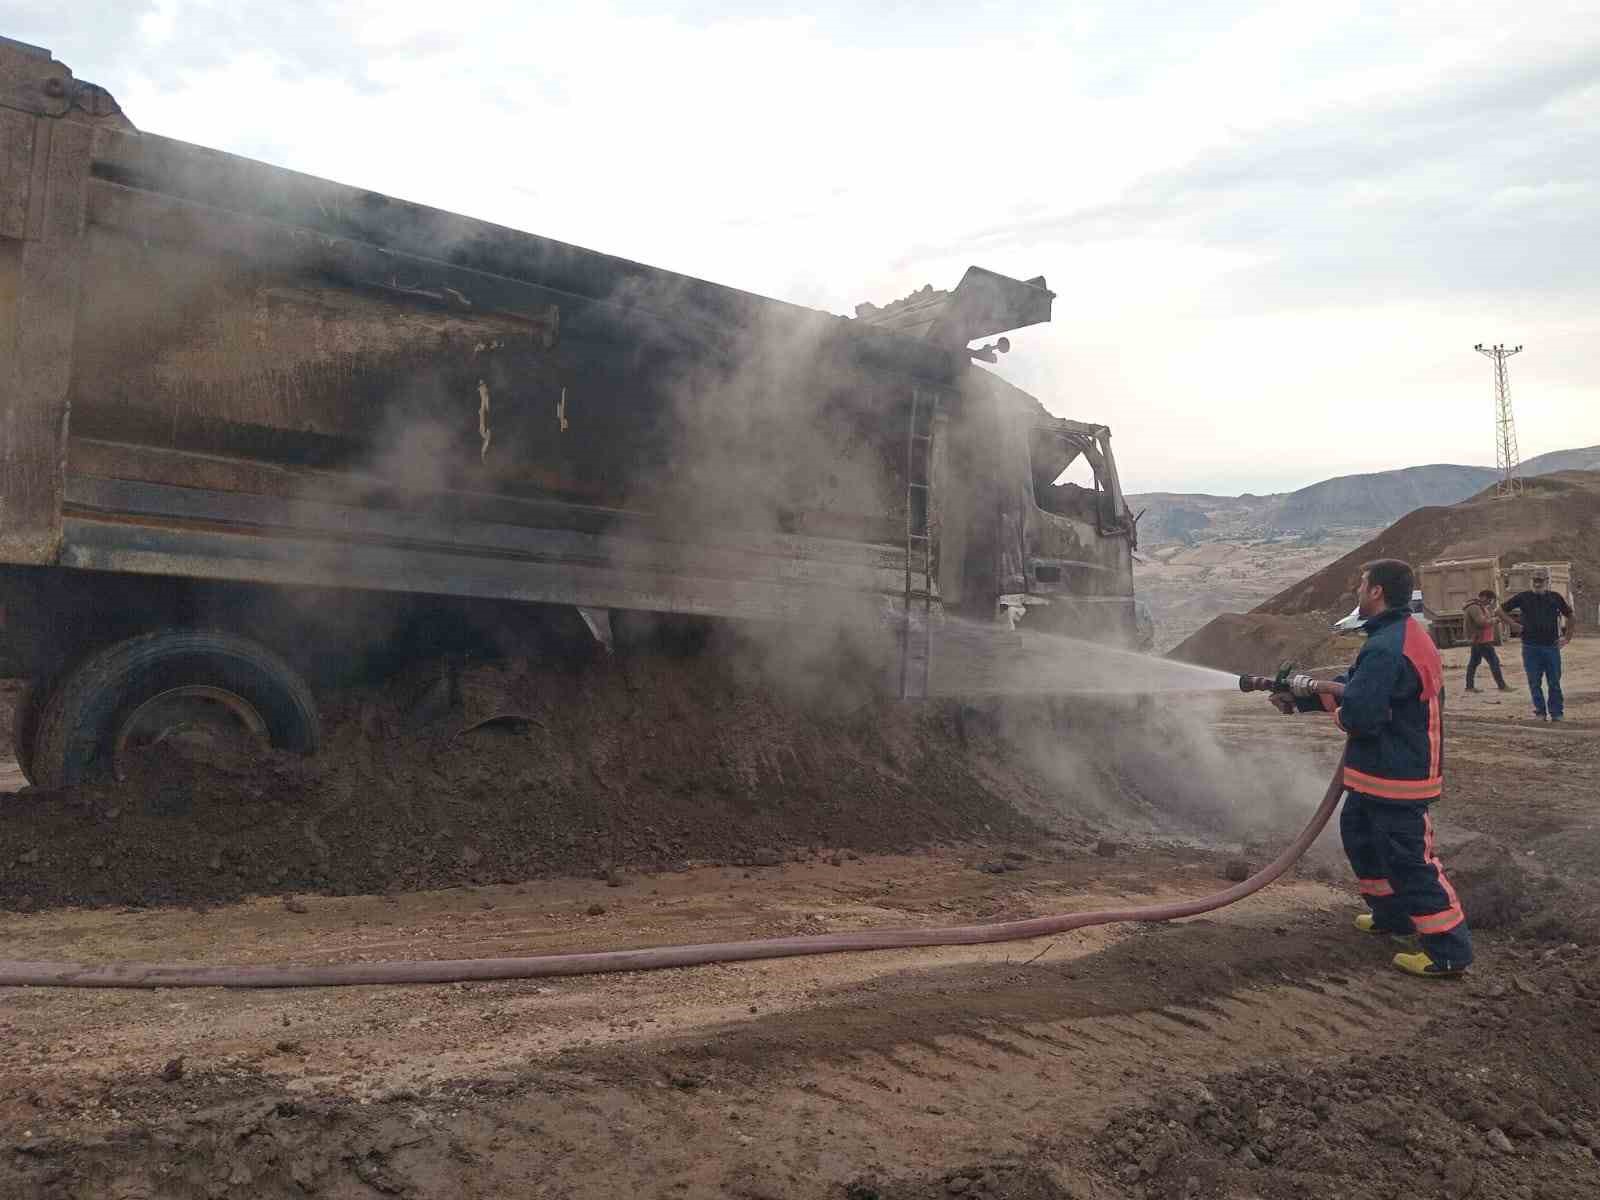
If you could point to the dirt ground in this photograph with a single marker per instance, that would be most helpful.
(1260, 643)
(1188, 584)
(1266, 1051)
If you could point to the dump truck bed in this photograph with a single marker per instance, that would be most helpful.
(230, 371)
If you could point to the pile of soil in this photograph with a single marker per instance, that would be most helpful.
(979, 1181)
(1557, 519)
(1258, 643)
(647, 761)
(1484, 1106)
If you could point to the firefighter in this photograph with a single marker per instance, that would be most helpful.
(1393, 712)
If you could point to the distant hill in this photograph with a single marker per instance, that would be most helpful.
(1586, 459)
(1377, 498)
(1347, 501)
(1557, 519)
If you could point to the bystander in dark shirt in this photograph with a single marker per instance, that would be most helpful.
(1537, 613)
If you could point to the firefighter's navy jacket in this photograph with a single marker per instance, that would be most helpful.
(1393, 710)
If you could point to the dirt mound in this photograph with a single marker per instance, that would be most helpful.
(1479, 1108)
(1499, 889)
(1557, 519)
(980, 1181)
(1258, 643)
(644, 761)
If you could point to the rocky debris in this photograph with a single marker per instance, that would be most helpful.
(991, 1181)
(999, 866)
(1236, 870)
(173, 1071)
(295, 906)
(1106, 848)
(749, 775)
(1434, 1122)
(595, 910)
(1459, 1178)
(1497, 888)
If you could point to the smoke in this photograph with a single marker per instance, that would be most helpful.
(1165, 768)
(766, 459)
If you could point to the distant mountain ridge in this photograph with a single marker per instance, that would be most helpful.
(1586, 459)
(1369, 500)
(1378, 498)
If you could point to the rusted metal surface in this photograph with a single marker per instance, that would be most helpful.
(39, 277)
(277, 379)
(634, 544)
(32, 81)
(285, 559)
(47, 122)
(982, 304)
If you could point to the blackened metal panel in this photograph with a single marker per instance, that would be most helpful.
(38, 311)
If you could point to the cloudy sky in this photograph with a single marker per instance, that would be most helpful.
(1275, 231)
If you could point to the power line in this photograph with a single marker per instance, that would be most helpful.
(1505, 425)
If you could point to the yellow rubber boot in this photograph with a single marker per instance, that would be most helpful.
(1421, 963)
(1366, 924)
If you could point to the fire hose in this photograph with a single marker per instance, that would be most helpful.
(598, 962)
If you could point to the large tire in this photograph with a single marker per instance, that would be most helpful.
(25, 724)
(77, 732)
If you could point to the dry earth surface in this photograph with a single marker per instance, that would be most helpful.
(1188, 584)
(1265, 1052)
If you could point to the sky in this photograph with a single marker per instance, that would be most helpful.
(1275, 231)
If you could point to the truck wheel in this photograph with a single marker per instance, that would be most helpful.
(25, 724)
(201, 686)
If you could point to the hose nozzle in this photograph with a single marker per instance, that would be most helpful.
(1297, 685)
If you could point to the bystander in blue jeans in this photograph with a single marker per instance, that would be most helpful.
(1544, 663)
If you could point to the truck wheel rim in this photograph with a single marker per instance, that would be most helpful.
(213, 712)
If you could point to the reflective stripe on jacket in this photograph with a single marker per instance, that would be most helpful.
(1393, 710)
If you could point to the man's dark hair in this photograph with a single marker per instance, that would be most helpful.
(1394, 576)
(1486, 594)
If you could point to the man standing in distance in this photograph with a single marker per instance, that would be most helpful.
(1481, 616)
(1540, 611)
(1393, 711)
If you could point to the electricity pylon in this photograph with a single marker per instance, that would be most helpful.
(1505, 425)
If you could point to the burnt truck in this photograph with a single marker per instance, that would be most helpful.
(244, 410)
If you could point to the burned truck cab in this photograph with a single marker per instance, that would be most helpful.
(1074, 570)
(1016, 545)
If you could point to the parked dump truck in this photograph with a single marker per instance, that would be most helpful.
(1448, 585)
(251, 419)
(1446, 588)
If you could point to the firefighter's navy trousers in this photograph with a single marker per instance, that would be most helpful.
(1390, 846)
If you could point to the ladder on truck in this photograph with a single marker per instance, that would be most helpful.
(916, 627)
